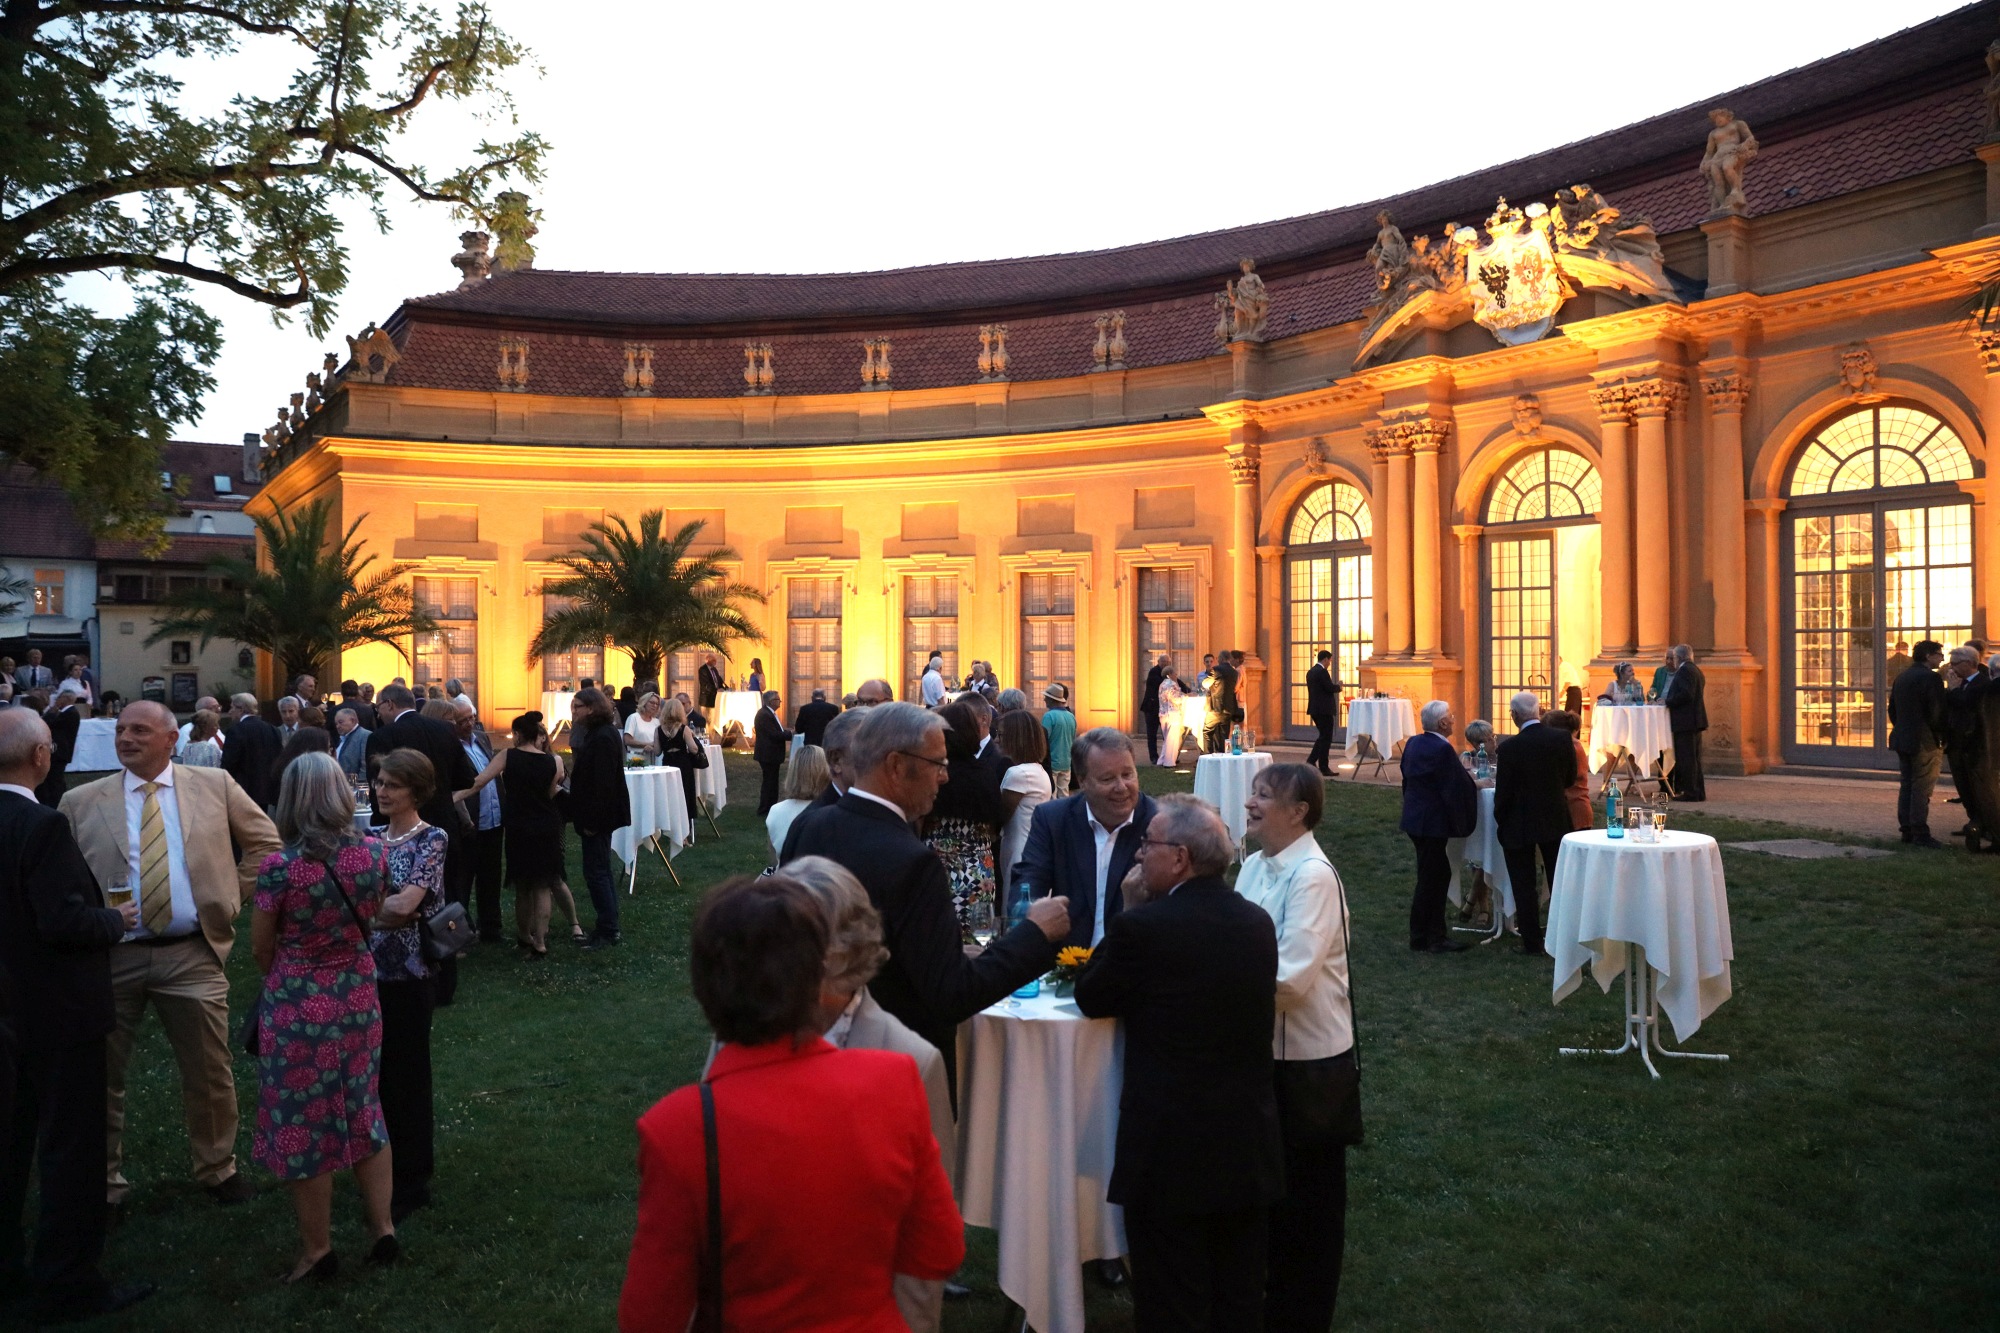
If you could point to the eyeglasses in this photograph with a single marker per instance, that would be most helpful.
(1159, 842)
(937, 763)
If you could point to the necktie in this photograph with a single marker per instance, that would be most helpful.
(156, 899)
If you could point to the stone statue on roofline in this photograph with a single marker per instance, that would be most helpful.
(1390, 255)
(1585, 225)
(1249, 304)
(372, 347)
(514, 224)
(472, 261)
(1731, 146)
(1993, 92)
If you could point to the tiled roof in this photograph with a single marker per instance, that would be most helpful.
(1650, 164)
(200, 463)
(36, 519)
(183, 549)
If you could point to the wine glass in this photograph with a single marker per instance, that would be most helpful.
(1659, 823)
(979, 916)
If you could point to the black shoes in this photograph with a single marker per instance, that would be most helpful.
(1108, 1272)
(109, 1300)
(1446, 946)
(233, 1191)
(596, 942)
(325, 1269)
(1924, 840)
(1534, 951)
(386, 1250)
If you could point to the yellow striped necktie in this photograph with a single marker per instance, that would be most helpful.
(156, 898)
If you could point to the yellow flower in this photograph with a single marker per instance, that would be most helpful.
(1074, 955)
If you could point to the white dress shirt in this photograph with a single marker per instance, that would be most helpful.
(19, 791)
(1107, 839)
(1301, 892)
(933, 688)
(883, 801)
(184, 921)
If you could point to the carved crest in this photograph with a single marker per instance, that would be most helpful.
(1513, 280)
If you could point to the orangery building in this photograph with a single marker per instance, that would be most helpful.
(1715, 378)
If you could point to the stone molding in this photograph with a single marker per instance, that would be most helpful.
(1727, 393)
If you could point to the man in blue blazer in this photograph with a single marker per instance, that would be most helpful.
(1081, 846)
(1440, 802)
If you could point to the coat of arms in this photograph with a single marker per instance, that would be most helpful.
(1513, 280)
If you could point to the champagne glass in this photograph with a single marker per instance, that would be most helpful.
(118, 895)
(980, 917)
(1659, 823)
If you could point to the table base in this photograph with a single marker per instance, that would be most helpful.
(1642, 1019)
(632, 880)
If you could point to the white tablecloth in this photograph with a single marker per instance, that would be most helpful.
(1192, 717)
(711, 784)
(1667, 897)
(658, 806)
(555, 709)
(1037, 1134)
(1223, 780)
(1483, 849)
(1642, 729)
(734, 706)
(1389, 721)
(96, 748)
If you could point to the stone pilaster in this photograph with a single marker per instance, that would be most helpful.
(1986, 540)
(1615, 520)
(1727, 390)
(1652, 401)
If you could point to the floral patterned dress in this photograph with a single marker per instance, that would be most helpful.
(320, 1032)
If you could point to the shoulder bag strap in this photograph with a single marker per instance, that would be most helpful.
(1347, 944)
(341, 889)
(708, 1305)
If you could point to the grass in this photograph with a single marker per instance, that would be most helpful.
(1839, 1172)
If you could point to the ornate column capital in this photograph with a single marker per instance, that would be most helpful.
(1383, 445)
(1613, 403)
(1727, 392)
(1655, 397)
(1244, 458)
(1467, 532)
(1416, 432)
(1988, 343)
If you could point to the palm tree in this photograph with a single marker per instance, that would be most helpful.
(315, 599)
(645, 593)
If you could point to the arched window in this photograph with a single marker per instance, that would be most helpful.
(1329, 593)
(1545, 483)
(1879, 447)
(1879, 555)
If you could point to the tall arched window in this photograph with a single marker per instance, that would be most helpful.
(1542, 580)
(1330, 593)
(1880, 556)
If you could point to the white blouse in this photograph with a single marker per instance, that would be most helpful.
(1032, 781)
(639, 729)
(1301, 892)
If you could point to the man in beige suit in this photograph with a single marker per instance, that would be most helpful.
(164, 830)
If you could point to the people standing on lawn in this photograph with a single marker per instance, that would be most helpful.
(1060, 725)
(1531, 808)
(530, 778)
(599, 804)
(1916, 734)
(1968, 694)
(1440, 802)
(965, 820)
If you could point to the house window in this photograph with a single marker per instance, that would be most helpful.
(48, 592)
(930, 623)
(568, 670)
(451, 651)
(1330, 595)
(1166, 621)
(812, 621)
(1048, 633)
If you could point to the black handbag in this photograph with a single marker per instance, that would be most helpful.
(249, 1038)
(708, 1291)
(447, 932)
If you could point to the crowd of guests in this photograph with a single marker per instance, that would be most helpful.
(1945, 706)
(1162, 711)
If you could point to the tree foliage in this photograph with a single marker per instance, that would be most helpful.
(314, 600)
(647, 593)
(106, 167)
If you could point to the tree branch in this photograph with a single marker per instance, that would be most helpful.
(22, 225)
(23, 270)
(172, 9)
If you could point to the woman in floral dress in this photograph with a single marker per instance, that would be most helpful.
(319, 1031)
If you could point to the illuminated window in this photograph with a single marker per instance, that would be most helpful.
(48, 592)
(1544, 484)
(1330, 594)
(812, 620)
(1335, 512)
(451, 651)
(930, 624)
(1879, 447)
(1048, 634)
(1166, 621)
(567, 671)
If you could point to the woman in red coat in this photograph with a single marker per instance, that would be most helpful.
(831, 1182)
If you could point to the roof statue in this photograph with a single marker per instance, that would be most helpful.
(514, 224)
(1731, 145)
(1993, 92)
(1249, 304)
(472, 261)
(372, 347)
(1390, 255)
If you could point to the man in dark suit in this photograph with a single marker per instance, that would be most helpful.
(1965, 745)
(364, 713)
(1080, 847)
(1687, 717)
(812, 719)
(1531, 808)
(838, 736)
(1192, 970)
(708, 682)
(769, 750)
(1149, 706)
(895, 761)
(64, 722)
(404, 728)
(1322, 702)
(1916, 734)
(1440, 802)
(250, 751)
(55, 993)
(1221, 703)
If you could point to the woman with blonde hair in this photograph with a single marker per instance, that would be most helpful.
(204, 746)
(805, 778)
(678, 745)
(642, 729)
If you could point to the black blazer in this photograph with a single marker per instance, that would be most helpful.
(1320, 692)
(437, 742)
(928, 981)
(708, 684)
(1530, 786)
(772, 738)
(1149, 701)
(1685, 699)
(250, 755)
(813, 718)
(1965, 719)
(55, 932)
(1195, 977)
(598, 799)
(64, 723)
(1916, 711)
(1440, 799)
(1061, 857)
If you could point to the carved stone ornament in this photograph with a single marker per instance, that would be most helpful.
(1857, 371)
(1415, 432)
(298, 417)
(1108, 352)
(514, 224)
(472, 261)
(875, 363)
(1987, 341)
(1730, 148)
(1727, 393)
(638, 369)
(1249, 304)
(1319, 459)
(513, 368)
(329, 369)
(1527, 416)
(1654, 397)
(1513, 280)
(1117, 346)
(371, 355)
(1612, 402)
(1243, 463)
(1224, 319)
(281, 432)
(758, 375)
(313, 400)
(993, 351)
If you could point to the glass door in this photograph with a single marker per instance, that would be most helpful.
(1521, 626)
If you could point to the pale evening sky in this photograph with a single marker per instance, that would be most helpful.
(803, 137)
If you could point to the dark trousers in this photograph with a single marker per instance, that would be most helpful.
(1197, 1272)
(461, 859)
(1973, 778)
(405, 1084)
(597, 878)
(1152, 716)
(1309, 1224)
(1913, 792)
(55, 1125)
(1322, 742)
(1215, 736)
(1686, 779)
(1527, 897)
(487, 877)
(767, 791)
(1427, 925)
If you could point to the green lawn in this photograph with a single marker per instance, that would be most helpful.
(1840, 1171)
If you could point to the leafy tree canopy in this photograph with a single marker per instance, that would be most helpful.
(105, 168)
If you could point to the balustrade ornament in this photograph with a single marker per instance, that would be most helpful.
(638, 369)
(1117, 348)
(993, 351)
(474, 265)
(313, 400)
(298, 417)
(1727, 393)
(513, 368)
(371, 355)
(1108, 352)
(758, 375)
(875, 363)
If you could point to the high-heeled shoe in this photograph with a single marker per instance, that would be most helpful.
(386, 1250)
(324, 1269)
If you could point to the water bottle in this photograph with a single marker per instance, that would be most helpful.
(1614, 823)
(1482, 768)
(1236, 740)
(1017, 913)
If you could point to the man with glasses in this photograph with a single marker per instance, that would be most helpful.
(873, 694)
(1193, 970)
(1081, 846)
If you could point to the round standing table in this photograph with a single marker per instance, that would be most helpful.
(96, 748)
(555, 709)
(1642, 729)
(1667, 901)
(739, 706)
(1037, 1136)
(659, 806)
(1483, 849)
(1223, 780)
(1389, 721)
